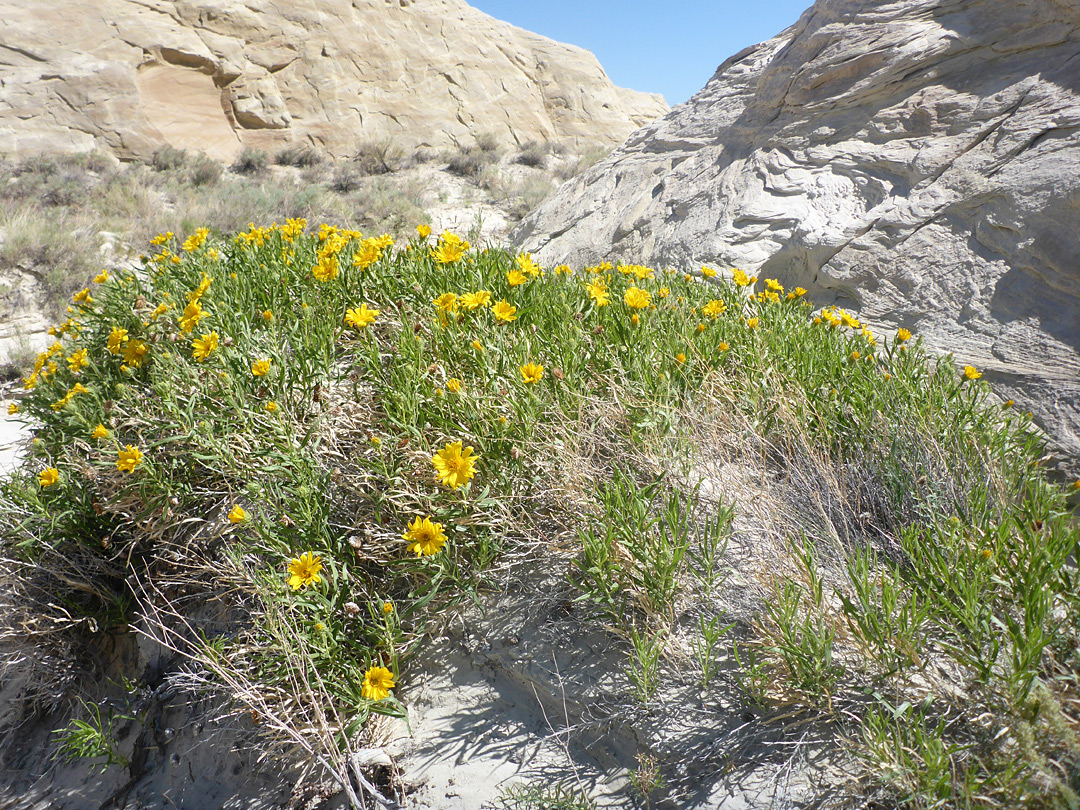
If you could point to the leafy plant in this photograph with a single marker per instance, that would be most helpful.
(92, 738)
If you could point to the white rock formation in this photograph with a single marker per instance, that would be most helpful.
(915, 160)
(217, 75)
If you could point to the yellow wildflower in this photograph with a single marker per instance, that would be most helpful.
(194, 242)
(237, 514)
(304, 570)
(741, 279)
(454, 466)
(360, 317)
(972, 373)
(598, 292)
(752, 323)
(453, 385)
(203, 346)
(77, 360)
(83, 296)
(424, 231)
(271, 406)
(527, 266)
(722, 346)
(708, 272)
(260, 368)
(476, 344)
(450, 248)
(504, 312)
(902, 335)
(100, 432)
(200, 291)
(267, 315)
(447, 302)
(117, 337)
(48, 477)
(714, 309)
(475, 300)
(193, 313)
(532, 373)
(515, 278)
(378, 681)
(425, 537)
(774, 285)
(134, 352)
(636, 298)
(129, 458)
(101, 277)
(680, 358)
(369, 253)
(326, 269)
(13, 408)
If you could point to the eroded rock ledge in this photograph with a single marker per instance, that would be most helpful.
(218, 75)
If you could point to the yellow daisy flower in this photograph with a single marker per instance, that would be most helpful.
(637, 298)
(203, 346)
(504, 312)
(304, 570)
(129, 458)
(378, 681)
(360, 317)
(425, 537)
(531, 373)
(117, 337)
(454, 466)
(475, 300)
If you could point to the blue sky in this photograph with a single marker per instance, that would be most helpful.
(670, 48)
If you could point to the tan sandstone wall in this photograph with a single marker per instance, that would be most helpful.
(217, 75)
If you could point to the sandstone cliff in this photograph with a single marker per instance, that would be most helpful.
(916, 160)
(217, 75)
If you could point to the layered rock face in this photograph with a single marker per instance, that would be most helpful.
(915, 160)
(217, 75)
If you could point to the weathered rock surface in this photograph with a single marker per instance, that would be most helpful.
(217, 75)
(916, 160)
